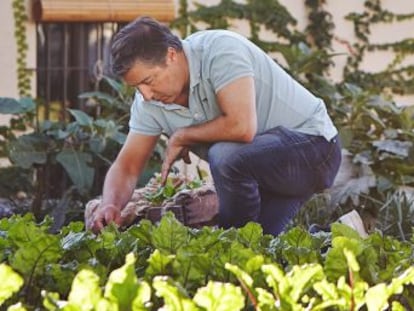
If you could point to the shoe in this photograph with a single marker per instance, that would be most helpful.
(353, 220)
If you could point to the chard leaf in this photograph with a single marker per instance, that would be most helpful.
(302, 278)
(336, 264)
(174, 297)
(265, 300)
(142, 232)
(10, 284)
(170, 235)
(250, 235)
(122, 287)
(218, 296)
(299, 247)
(34, 256)
(35, 248)
(85, 293)
(158, 263)
(377, 296)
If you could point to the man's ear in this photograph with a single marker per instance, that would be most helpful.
(171, 55)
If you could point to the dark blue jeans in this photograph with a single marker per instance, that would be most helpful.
(269, 179)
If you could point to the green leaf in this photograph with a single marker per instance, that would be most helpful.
(336, 263)
(241, 275)
(158, 263)
(218, 296)
(27, 104)
(397, 147)
(35, 248)
(251, 235)
(142, 232)
(174, 297)
(28, 150)
(100, 96)
(377, 296)
(73, 240)
(302, 278)
(51, 300)
(34, 256)
(143, 297)
(17, 307)
(81, 117)
(299, 247)
(341, 230)
(122, 287)
(76, 165)
(265, 300)
(10, 284)
(85, 293)
(116, 85)
(170, 235)
(12, 106)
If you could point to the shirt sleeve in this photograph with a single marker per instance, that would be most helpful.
(229, 59)
(141, 119)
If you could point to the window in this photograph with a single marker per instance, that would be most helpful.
(73, 38)
(71, 59)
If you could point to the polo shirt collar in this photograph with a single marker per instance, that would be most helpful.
(194, 63)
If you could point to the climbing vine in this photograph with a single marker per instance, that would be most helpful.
(397, 77)
(320, 30)
(267, 13)
(318, 35)
(20, 18)
(320, 25)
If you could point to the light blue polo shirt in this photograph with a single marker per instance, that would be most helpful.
(218, 57)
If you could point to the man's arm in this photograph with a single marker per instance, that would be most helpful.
(121, 178)
(237, 122)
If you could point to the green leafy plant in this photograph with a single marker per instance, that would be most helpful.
(73, 153)
(173, 185)
(149, 266)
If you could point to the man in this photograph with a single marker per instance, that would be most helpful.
(269, 142)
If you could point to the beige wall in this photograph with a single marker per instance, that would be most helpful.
(377, 61)
(381, 33)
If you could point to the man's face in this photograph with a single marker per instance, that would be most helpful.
(164, 83)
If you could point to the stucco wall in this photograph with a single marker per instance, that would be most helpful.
(381, 33)
(377, 61)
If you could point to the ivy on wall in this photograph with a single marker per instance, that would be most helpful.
(397, 77)
(267, 13)
(320, 30)
(20, 19)
(273, 16)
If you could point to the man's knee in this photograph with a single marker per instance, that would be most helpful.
(222, 156)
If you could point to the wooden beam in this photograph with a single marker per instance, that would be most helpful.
(102, 10)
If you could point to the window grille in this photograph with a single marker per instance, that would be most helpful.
(71, 58)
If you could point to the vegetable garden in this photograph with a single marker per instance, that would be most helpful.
(49, 261)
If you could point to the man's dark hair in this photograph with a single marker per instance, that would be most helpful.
(145, 40)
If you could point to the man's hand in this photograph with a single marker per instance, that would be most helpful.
(104, 215)
(175, 150)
